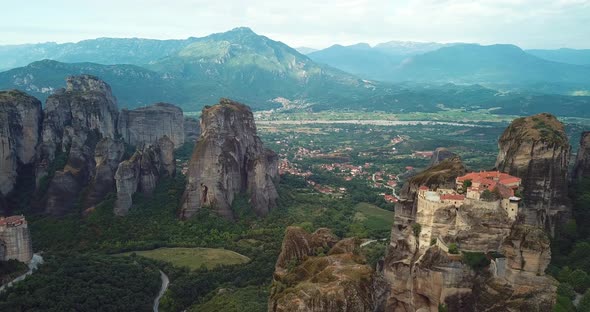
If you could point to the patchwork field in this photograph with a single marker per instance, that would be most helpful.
(193, 258)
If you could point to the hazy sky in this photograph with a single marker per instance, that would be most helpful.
(312, 23)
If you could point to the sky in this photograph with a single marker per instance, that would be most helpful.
(312, 23)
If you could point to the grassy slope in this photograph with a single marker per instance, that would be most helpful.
(193, 258)
(374, 217)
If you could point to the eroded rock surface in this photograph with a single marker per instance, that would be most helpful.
(229, 159)
(536, 149)
(20, 128)
(146, 125)
(582, 166)
(317, 273)
(107, 156)
(75, 120)
(142, 172)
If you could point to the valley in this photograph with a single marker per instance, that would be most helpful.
(230, 172)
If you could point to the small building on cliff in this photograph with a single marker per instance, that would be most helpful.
(15, 240)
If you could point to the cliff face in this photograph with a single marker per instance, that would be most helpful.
(75, 120)
(20, 127)
(229, 159)
(107, 156)
(422, 277)
(317, 273)
(582, 166)
(142, 171)
(146, 125)
(536, 149)
(522, 285)
(423, 273)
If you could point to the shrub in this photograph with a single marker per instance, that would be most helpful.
(476, 260)
(453, 249)
(417, 228)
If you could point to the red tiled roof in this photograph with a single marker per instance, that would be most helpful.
(12, 220)
(424, 188)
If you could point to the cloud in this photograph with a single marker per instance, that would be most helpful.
(529, 23)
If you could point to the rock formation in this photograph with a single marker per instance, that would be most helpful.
(229, 159)
(520, 284)
(192, 129)
(107, 156)
(20, 125)
(142, 171)
(424, 274)
(536, 149)
(146, 125)
(316, 272)
(582, 166)
(75, 120)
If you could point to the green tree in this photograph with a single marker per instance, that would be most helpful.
(453, 249)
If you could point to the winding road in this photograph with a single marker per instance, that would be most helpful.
(33, 265)
(165, 282)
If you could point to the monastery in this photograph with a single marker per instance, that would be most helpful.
(15, 240)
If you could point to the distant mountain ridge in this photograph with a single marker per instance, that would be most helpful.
(264, 73)
(108, 51)
(501, 64)
(563, 55)
(372, 62)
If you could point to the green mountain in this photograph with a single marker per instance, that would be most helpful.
(108, 51)
(134, 86)
(377, 62)
(501, 65)
(264, 73)
(568, 56)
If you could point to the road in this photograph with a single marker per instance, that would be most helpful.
(165, 282)
(33, 265)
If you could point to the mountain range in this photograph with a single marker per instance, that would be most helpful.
(242, 65)
(499, 66)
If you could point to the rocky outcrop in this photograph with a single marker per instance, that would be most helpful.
(536, 149)
(315, 273)
(440, 154)
(20, 128)
(229, 159)
(146, 125)
(107, 156)
(142, 172)
(582, 166)
(523, 285)
(192, 129)
(75, 120)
